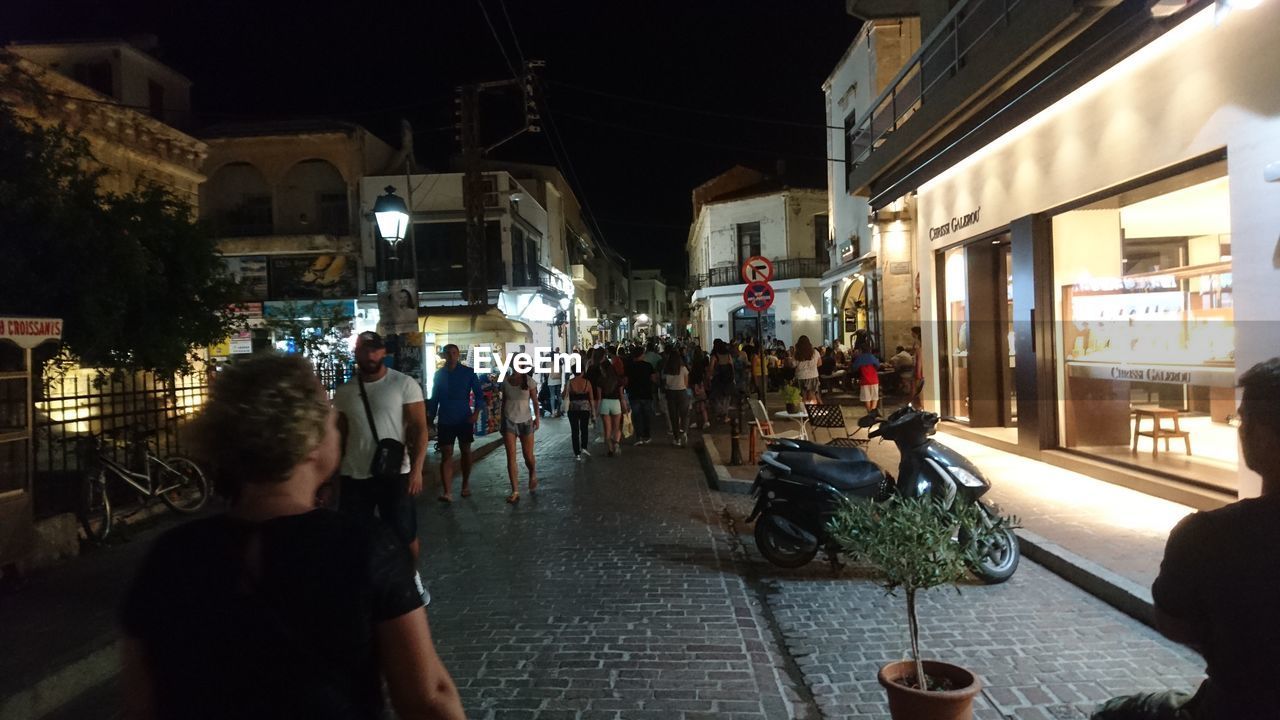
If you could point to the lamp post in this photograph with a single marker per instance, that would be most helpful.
(392, 216)
(397, 294)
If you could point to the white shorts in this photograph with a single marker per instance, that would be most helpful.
(870, 392)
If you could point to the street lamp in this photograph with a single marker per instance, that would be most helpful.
(392, 215)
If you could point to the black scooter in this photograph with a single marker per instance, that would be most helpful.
(801, 485)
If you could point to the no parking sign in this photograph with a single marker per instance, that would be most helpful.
(758, 296)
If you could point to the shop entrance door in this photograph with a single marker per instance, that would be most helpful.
(976, 296)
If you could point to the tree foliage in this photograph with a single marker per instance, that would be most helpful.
(137, 281)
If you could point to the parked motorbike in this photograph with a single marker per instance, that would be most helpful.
(801, 485)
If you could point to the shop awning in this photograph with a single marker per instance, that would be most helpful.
(465, 326)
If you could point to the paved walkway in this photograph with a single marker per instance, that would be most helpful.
(624, 590)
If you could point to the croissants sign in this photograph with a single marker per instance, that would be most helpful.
(30, 332)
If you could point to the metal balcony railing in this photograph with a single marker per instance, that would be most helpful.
(941, 55)
(789, 269)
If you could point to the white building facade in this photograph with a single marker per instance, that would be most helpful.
(741, 214)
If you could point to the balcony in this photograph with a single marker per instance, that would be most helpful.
(543, 278)
(979, 51)
(583, 278)
(789, 269)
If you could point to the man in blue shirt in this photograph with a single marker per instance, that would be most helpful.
(451, 403)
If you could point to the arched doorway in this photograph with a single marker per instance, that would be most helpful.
(313, 199)
(238, 201)
(742, 323)
(859, 316)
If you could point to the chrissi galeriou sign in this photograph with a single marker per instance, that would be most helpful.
(958, 222)
(30, 332)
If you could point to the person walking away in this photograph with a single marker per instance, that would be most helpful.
(698, 387)
(656, 360)
(640, 394)
(453, 390)
(277, 608)
(1219, 584)
(610, 401)
(867, 366)
(580, 394)
(806, 365)
(377, 409)
(675, 382)
(520, 420)
(722, 380)
(555, 384)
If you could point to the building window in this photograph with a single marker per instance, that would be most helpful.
(821, 237)
(95, 75)
(642, 306)
(850, 145)
(155, 99)
(332, 211)
(748, 241)
(1147, 336)
(251, 217)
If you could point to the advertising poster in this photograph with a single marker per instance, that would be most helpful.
(302, 277)
(250, 271)
(397, 307)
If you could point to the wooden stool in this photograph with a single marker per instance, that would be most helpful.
(1158, 430)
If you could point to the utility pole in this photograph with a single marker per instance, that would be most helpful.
(473, 187)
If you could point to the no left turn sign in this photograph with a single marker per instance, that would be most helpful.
(757, 269)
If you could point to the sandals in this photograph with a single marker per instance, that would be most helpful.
(533, 485)
(466, 492)
(444, 499)
(513, 498)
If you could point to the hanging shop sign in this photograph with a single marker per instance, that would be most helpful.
(959, 222)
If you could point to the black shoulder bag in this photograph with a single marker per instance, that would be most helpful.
(388, 453)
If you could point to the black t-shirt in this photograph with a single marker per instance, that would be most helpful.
(295, 639)
(1221, 575)
(639, 379)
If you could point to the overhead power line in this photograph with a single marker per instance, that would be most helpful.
(694, 110)
(515, 74)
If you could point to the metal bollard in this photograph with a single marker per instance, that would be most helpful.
(735, 448)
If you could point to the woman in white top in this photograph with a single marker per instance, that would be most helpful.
(807, 369)
(519, 420)
(675, 382)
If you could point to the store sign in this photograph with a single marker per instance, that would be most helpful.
(30, 332)
(959, 222)
(1166, 374)
(305, 277)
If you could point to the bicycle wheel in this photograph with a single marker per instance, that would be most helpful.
(95, 507)
(181, 484)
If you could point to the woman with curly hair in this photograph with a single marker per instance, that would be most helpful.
(807, 369)
(277, 608)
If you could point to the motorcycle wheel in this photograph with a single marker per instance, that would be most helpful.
(784, 543)
(1001, 559)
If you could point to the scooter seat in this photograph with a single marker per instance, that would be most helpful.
(853, 476)
(836, 452)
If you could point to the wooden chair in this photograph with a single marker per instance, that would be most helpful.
(831, 418)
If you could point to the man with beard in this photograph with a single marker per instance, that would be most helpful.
(394, 403)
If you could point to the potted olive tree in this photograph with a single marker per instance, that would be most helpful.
(912, 544)
(791, 396)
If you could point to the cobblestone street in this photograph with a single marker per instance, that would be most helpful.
(627, 589)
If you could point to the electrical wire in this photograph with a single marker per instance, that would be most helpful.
(697, 111)
(515, 74)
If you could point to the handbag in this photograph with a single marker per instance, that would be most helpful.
(628, 429)
(388, 453)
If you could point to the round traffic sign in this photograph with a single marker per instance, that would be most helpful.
(757, 269)
(758, 296)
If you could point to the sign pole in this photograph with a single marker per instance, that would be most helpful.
(760, 352)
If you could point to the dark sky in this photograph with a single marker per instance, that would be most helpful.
(372, 63)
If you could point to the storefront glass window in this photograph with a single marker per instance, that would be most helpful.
(957, 327)
(1146, 345)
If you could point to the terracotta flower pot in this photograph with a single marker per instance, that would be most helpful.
(791, 407)
(908, 703)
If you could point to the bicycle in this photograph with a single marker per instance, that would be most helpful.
(177, 481)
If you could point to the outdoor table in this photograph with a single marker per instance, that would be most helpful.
(800, 418)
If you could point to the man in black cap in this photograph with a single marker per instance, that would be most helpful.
(394, 403)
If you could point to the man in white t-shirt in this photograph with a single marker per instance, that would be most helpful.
(400, 413)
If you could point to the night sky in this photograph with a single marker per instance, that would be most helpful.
(635, 162)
